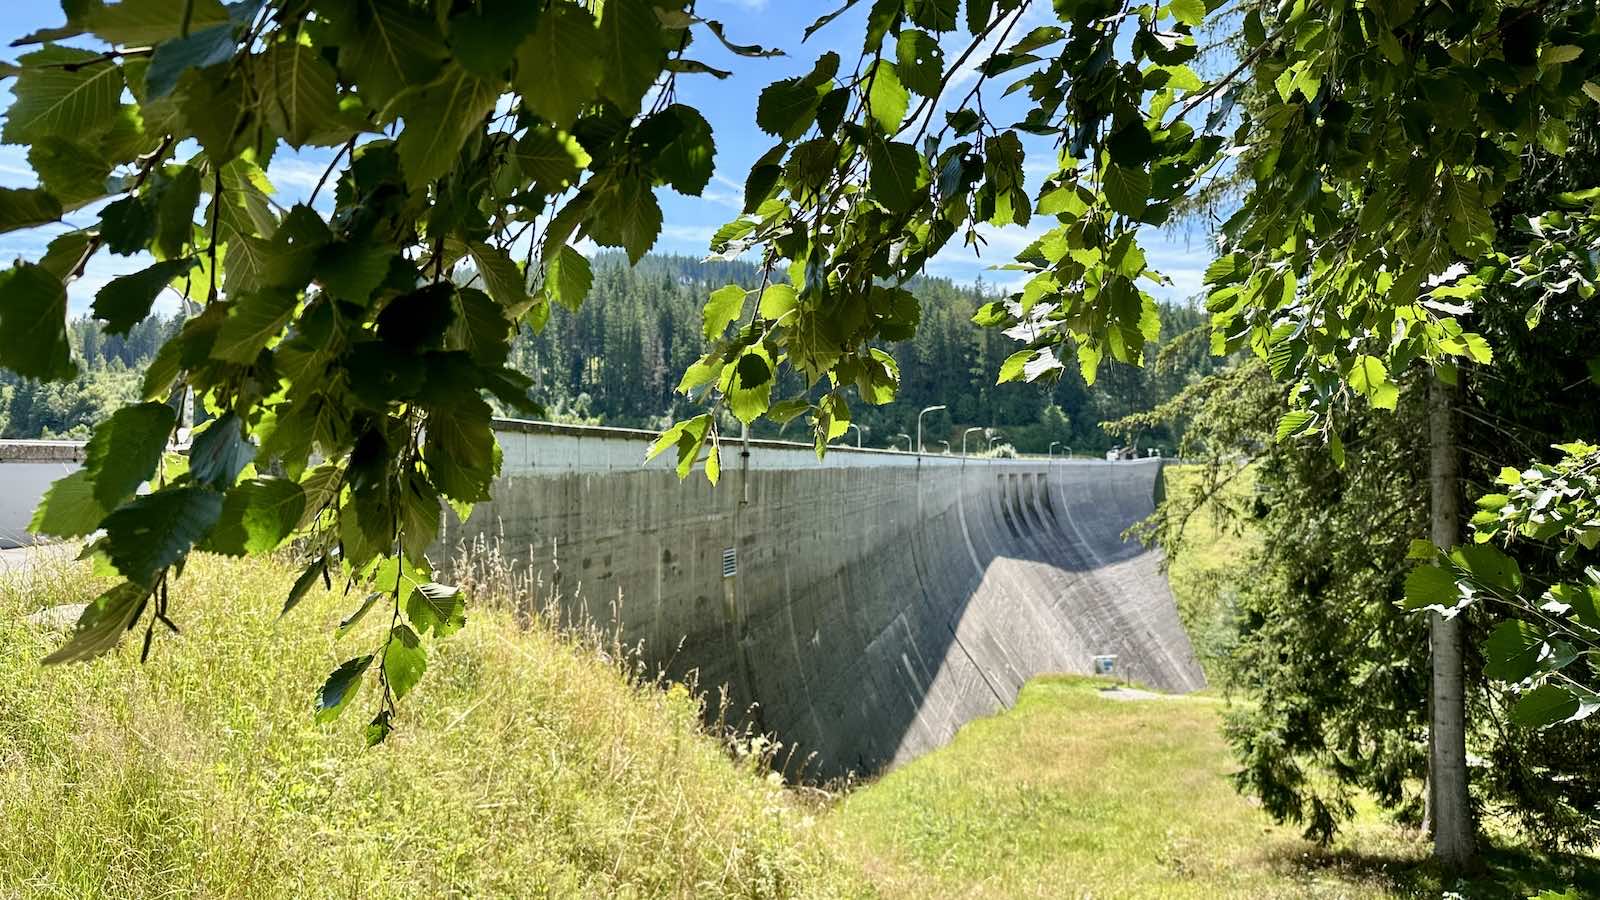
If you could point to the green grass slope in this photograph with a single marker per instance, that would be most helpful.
(525, 766)
(1071, 794)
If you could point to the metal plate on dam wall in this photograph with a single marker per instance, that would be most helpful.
(865, 606)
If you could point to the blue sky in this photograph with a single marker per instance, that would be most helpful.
(728, 105)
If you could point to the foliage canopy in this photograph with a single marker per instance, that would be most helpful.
(348, 371)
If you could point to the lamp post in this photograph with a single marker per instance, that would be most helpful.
(908, 440)
(858, 434)
(1051, 453)
(996, 437)
(964, 437)
(946, 447)
(919, 423)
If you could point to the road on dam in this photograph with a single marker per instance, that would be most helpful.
(861, 607)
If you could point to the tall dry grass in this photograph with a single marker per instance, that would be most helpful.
(530, 762)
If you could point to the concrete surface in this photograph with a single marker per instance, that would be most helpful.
(27, 469)
(881, 599)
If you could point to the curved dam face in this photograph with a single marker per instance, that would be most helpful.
(864, 606)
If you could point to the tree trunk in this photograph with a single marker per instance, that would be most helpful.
(1450, 809)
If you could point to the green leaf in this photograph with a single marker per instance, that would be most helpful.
(777, 301)
(568, 277)
(439, 608)
(898, 178)
(142, 23)
(126, 301)
(1512, 651)
(340, 688)
(350, 270)
(1292, 422)
(203, 47)
(687, 160)
(1556, 54)
(462, 456)
(27, 207)
(1188, 12)
(220, 451)
(125, 450)
(558, 69)
(257, 516)
(788, 108)
(303, 585)
(72, 173)
(1126, 190)
(387, 46)
(1422, 550)
(102, 624)
(750, 389)
(485, 36)
(920, 60)
(1431, 586)
(1014, 366)
(625, 214)
(419, 517)
(439, 120)
(888, 99)
(156, 530)
(631, 51)
(1546, 705)
(722, 308)
(303, 96)
(404, 660)
(553, 159)
(1369, 377)
(127, 225)
(33, 324)
(354, 619)
(1488, 566)
(69, 508)
(175, 212)
(52, 100)
(252, 322)
(688, 437)
(502, 277)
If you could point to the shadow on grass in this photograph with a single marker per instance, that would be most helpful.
(1407, 870)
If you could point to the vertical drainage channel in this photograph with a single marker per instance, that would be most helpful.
(733, 612)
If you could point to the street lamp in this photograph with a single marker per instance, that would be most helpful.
(1051, 453)
(996, 437)
(858, 434)
(908, 440)
(919, 422)
(946, 447)
(964, 437)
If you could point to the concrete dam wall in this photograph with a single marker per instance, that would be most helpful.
(866, 605)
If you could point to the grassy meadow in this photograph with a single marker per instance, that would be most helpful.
(531, 764)
(525, 765)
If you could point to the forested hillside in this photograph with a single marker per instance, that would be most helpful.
(616, 361)
(110, 367)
